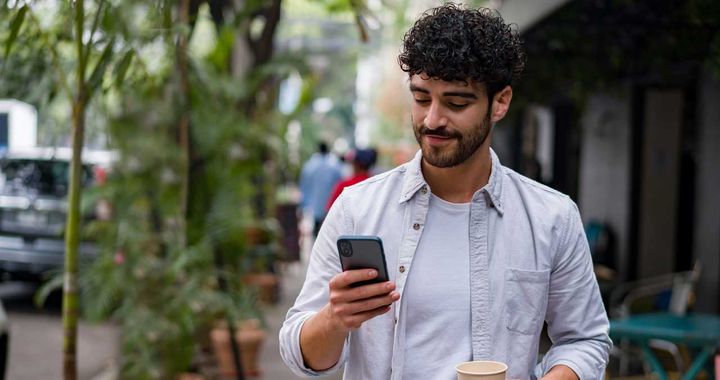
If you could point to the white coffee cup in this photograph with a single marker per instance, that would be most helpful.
(481, 369)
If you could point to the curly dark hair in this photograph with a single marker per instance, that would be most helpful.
(453, 43)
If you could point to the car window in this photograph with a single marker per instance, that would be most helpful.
(40, 177)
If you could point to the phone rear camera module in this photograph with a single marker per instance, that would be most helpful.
(346, 249)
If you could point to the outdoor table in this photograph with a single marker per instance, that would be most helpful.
(700, 331)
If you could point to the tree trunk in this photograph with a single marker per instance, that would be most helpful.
(184, 122)
(72, 230)
(72, 240)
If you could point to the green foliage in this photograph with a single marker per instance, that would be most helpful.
(25, 59)
(15, 26)
(157, 274)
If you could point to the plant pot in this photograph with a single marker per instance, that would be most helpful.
(266, 285)
(249, 337)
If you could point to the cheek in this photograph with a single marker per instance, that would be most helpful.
(416, 112)
(467, 122)
(416, 117)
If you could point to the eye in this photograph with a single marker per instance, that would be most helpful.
(457, 106)
(422, 101)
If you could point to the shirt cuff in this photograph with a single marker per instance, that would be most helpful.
(574, 367)
(295, 360)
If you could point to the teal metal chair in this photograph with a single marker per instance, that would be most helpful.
(673, 293)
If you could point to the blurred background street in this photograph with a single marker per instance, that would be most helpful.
(168, 162)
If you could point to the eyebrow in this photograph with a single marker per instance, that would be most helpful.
(462, 94)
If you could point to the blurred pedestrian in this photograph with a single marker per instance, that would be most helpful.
(478, 256)
(362, 160)
(317, 178)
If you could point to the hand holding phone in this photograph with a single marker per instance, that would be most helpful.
(363, 252)
(362, 291)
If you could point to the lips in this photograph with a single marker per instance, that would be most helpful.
(437, 140)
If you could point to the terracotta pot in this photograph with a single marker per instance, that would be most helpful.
(266, 285)
(249, 336)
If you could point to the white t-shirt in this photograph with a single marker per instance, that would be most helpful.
(436, 303)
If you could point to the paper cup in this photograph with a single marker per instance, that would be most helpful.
(481, 369)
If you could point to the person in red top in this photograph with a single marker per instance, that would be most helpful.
(362, 160)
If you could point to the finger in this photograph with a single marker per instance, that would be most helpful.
(361, 292)
(371, 290)
(344, 279)
(371, 303)
(358, 319)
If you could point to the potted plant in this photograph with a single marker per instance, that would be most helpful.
(174, 252)
(249, 336)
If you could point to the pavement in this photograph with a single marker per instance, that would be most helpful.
(36, 338)
(36, 348)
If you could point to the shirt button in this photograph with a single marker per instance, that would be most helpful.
(416, 226)
(423, 190)
(402, 269)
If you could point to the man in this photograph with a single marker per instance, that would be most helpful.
(478, 255)
(317, 179)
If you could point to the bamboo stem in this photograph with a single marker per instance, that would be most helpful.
(184, 123)
(72, 231)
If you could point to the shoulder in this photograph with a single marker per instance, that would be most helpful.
(541, 203)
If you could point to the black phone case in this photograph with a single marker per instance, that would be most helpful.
(367, 252)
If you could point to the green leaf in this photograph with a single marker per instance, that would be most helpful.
(102, 64)
(54, 283)
(15, 26)
(122, 67)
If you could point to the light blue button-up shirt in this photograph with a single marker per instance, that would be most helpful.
(529, 263)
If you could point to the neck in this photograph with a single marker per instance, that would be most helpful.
(459, 183)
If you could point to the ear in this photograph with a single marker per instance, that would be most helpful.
(500, 104)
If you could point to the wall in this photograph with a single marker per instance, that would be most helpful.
(707, 212)
(659, 181)
(604, 183)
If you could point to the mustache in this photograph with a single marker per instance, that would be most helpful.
(440, 132)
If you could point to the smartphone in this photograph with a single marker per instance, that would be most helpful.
(363, 252)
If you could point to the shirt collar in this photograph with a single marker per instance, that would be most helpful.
(414, 181)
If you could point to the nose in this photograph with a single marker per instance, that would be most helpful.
(435, 118)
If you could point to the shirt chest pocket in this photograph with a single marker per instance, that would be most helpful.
(526, 294)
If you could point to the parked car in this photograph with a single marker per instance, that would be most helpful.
(33, 208)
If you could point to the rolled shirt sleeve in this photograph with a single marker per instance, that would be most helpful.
(323, 265)
(577, 322)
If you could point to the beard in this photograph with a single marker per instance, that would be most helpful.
(452, 154)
